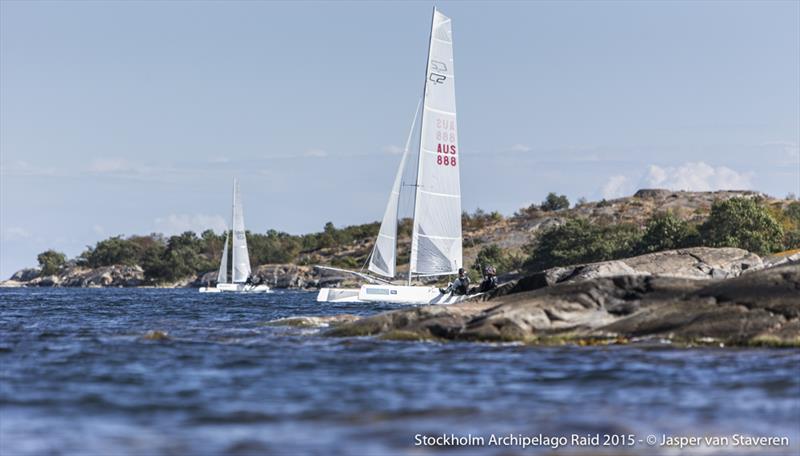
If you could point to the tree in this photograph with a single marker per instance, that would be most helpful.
(555, 202)
(328, 236)
(111, 251)
(667, 232)
(742, 223)
(494, 255)
(791, 216)
(582, 241)
(51, 261)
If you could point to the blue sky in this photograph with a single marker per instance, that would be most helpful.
(133, 117)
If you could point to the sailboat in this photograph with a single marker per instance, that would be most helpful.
(240, 258)
(436, 231)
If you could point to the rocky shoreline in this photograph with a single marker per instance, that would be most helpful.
(717, 296)
(721, 297)
(288, 276)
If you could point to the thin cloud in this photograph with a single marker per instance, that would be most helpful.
(616, 187)
(179, 223)
(392, 149)
(16, 233)
(316, 153)
(24, 168)
(110, 165)
(697, 176)
(520, 148)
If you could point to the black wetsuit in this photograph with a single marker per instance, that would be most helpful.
(489, 283)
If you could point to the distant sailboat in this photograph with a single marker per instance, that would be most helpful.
(436, 234)
(240, 260)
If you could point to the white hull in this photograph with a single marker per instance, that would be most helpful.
(399, 294)
(235, 288)
(338, 295)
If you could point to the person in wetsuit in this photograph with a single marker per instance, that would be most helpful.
(489, 279)
(460, 286)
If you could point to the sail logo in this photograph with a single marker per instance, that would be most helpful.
(437, 78)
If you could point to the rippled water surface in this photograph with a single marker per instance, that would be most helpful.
(78, 377)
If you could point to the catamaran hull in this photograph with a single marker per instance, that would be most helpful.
(411, 295)
(338, 295)
(235, 288)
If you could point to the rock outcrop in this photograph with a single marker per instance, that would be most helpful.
(286, 275)
(692, 263)
(108, 276)
(26, 275)
(759, 307)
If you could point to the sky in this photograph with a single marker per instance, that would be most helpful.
(120, 118)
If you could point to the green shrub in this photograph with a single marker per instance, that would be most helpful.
(51, 261)
(111, 251)
(555, 202)
(667, 232)
(273, 247)
(479, 219)
(742, 223)
(493, 255)
(582, 241)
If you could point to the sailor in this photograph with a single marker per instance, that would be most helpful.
(249, 280)
(489, 279)
(460, 286)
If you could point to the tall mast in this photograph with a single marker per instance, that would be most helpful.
(419, 149)
(397, 213)
(233, 227)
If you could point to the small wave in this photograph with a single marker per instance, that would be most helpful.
(312, 322)
(235, 417)
(156, 335)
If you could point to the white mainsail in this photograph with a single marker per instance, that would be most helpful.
(222, 276)
(384, 254)
(436, 236)
(241, 259)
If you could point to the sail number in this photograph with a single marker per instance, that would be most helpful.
(446, 138)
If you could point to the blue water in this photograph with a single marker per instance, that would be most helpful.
(79, 378)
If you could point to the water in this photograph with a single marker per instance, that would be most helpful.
(78, 377)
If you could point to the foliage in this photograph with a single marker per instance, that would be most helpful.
(581, 241)
(738, 222)
(555, 202)
(666, 232)
(114, 250)
(273, 247)
(494, 255)
(331, 237)
(479, 219)
(789, 219)
(51, 261)
(742, 223)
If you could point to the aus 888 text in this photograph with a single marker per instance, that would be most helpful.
(445, 139)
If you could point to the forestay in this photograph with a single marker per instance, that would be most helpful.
(241, 260)
(436, 238)
(384, 254)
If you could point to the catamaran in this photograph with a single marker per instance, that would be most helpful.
(436, 230)
(240, 258)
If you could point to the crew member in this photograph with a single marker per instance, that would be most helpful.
(460, 286)
(489, 279)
